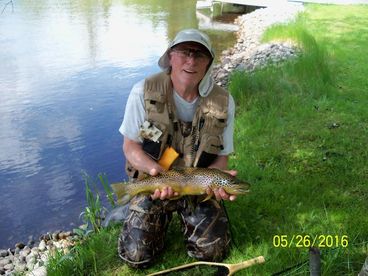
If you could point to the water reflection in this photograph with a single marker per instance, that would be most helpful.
(66, 68)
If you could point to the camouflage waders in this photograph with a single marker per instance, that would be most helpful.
(205, 226)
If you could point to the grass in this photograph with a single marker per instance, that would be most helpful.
(301, 139)
(305, 127)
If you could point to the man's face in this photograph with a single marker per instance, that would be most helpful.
(189, 62)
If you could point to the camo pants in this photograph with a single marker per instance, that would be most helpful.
(205, 228)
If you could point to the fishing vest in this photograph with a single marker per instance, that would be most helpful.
(198, 142)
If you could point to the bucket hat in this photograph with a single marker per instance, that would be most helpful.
(192, 35)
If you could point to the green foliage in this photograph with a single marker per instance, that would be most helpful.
(277, 86)
(93, 255)
(108, 190)
(94, 212)
(300, 138)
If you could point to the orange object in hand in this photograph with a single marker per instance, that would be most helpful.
(167, 158)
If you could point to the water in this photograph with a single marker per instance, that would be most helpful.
(66, 69)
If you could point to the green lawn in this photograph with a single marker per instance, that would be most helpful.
(301, 140)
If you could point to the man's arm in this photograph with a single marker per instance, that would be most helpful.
(139, 159)
(220, 162)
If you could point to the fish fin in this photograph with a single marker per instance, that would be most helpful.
(125, 199)
(118, 187)
(121, 192)
(176, 197)
(207, 198)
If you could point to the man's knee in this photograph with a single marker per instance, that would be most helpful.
(142, 235)
(133, 250)
(207, 232)
(209, 250)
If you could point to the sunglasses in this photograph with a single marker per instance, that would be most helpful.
(188, 53)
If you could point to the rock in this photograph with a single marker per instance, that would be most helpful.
(9, 267)
(35, 250)
(55, 236)
(40, 263)
(31, 258)
(20, 267)
(30, 243)
(42, 245)
(44, 258)
(46, 237)
(22, 259)
(19, 245)
(4, 262)
(3, 253)
(30, 265)
(64, 235)
(25, 252)
(10, 258)
(61, 236)
(40, 271)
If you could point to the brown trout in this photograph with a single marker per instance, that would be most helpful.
(185, 181)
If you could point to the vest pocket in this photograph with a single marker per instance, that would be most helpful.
(208, 150)
(214, 125)
(154, 102)
(219, 124)
(153, 149)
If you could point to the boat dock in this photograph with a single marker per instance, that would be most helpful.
(255, 3)
(268, 3)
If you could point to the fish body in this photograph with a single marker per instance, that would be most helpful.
(185, 181)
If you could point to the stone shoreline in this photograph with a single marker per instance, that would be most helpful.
(247, 54)
(31, 259)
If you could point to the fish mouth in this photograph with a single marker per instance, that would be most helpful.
(242, 187)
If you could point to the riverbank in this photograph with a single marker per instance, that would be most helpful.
(32, 258)
(249, 52)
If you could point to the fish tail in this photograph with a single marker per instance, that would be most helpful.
(207, 198)
(121, 192)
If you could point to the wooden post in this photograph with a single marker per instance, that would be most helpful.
(314, 261)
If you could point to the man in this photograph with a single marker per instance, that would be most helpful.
(180, 110)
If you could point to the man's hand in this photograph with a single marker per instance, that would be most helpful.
(139, 159)
(155, 170)
(165, 193)
(220, 193)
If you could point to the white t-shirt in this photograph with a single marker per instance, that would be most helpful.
(134, 116)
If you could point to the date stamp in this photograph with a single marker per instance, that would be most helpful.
(303, 241)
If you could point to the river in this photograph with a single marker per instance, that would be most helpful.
(66, 69)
